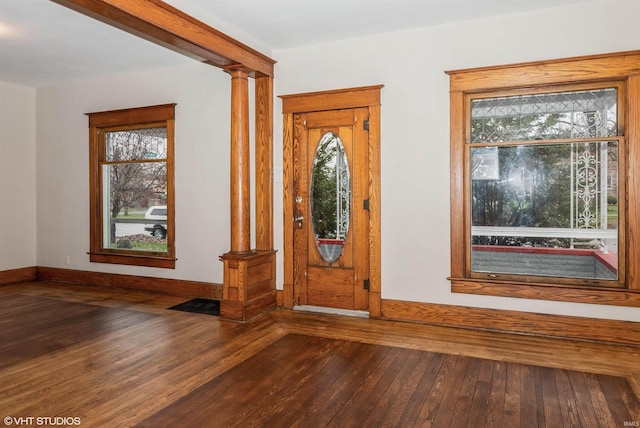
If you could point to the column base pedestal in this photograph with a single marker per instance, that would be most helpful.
(249, 285)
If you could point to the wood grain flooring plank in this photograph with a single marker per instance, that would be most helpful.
(551, 399)
(368, 395)
(321, 380)
(431, 404)
(569, 405)
(629, 397)
(286, 407)
(622, 405)
(531, 414)
(348, 375)
(495, 407)
(307, 355)
(482, 393)
(52, 325)
(393, 404)
(386, 410)
(420, 396)
(120, 358)
(225, 398)
(513, 396)
(464, 396)
(600, 404)
(586, 411)
(448, 407)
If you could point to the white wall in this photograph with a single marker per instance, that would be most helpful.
(202, 94)
(18, 176)
(415, 145)
(415, 126)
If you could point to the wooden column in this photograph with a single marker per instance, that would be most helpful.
(249, 274)
(264, 162)
(240, 166)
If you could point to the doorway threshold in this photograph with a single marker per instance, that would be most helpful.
(333, 311)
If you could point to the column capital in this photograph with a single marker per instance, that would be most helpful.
(238, 71)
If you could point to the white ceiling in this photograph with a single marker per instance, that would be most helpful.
(43, 43)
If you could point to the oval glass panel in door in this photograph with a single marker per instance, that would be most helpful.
(330, 197)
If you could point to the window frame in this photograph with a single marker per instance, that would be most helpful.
(106, 121)
(621, 69)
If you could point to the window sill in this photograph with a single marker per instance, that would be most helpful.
(560, 293)
(133, 260)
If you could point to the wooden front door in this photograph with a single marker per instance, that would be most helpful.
(331, 208)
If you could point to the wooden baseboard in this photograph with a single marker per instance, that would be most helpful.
(162, 285)
(560, 326)
(18, 275)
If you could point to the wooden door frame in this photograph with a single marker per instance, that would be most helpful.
(368, 97)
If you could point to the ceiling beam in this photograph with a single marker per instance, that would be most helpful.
(163, 24)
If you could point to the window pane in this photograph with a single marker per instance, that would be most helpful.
(136, 144)
(135, 212)
(546, 210)
(579, 114)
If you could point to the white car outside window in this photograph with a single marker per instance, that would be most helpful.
(159, 226)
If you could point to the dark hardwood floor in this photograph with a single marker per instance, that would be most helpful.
(119, 358)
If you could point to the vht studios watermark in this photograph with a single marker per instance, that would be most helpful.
(41, 421)
(631, 423)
